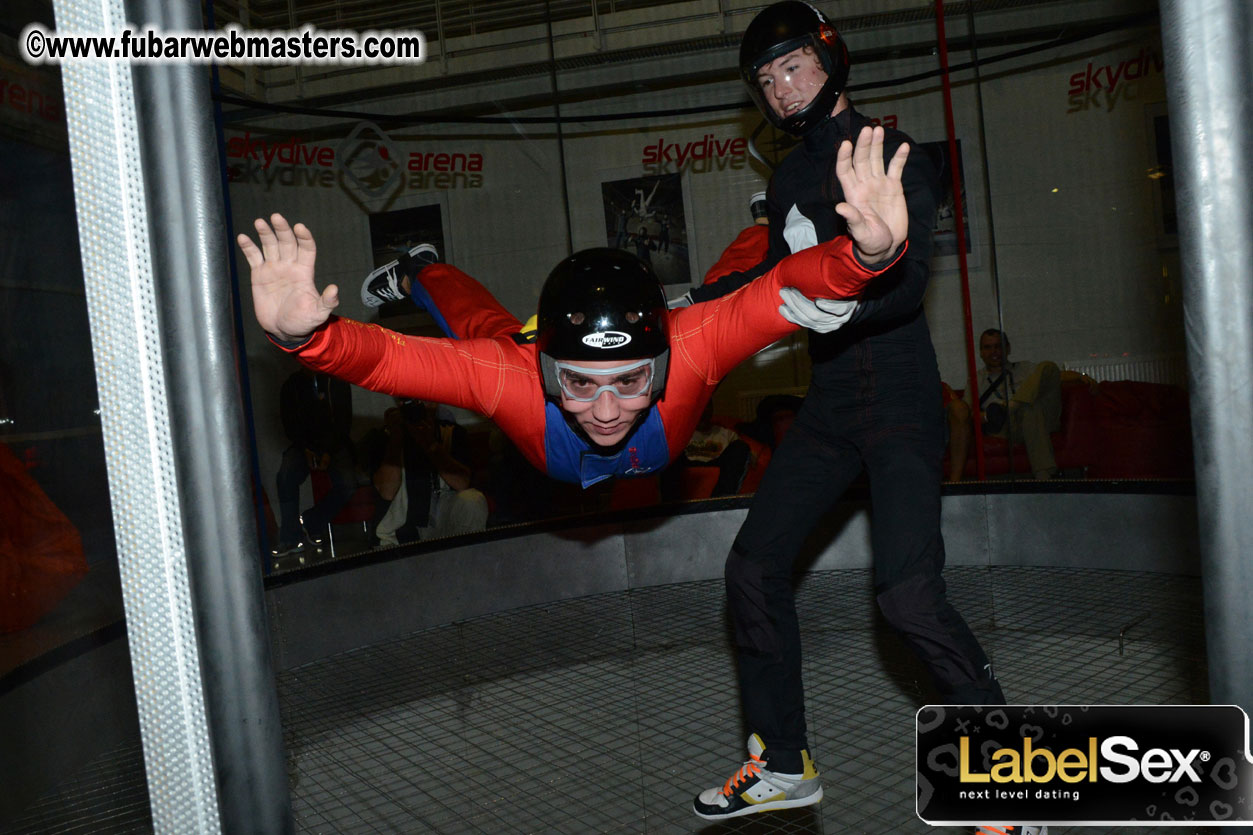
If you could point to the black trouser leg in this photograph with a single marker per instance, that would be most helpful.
(805, 478)
(905, 472)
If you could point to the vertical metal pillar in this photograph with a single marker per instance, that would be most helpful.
(130, 374)
(1209, 63)
(193, 291)
(150, 224)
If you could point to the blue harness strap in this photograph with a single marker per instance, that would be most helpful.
(573, 459)
(422, 298)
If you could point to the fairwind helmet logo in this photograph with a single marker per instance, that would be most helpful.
(607, 339)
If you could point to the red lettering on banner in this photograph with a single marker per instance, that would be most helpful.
(706, 148)
(291, 151)
(1112, 81)
(441, 161)
(29, 100)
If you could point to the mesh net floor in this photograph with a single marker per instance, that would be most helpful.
(608, 713)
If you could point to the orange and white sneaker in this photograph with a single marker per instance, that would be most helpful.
(754, 788)
(989, 829)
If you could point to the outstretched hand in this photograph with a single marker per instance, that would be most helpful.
(874, 201)
(284, 297)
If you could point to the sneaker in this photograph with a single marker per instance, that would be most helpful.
(989, 829)
(383, 285)
(314, 536)
(284, 551)
(755, 789)
(287, 549)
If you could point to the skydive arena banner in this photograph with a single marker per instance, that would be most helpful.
(1168, 765)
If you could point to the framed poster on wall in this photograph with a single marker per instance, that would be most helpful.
(944, 244)
(646, 217)
(396, 232)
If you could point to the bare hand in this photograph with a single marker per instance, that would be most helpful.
(874, 201)
(284, 297)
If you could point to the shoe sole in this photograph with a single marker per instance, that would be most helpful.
(431, 248)
(768, 806)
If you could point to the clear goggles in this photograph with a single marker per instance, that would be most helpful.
(625, 381)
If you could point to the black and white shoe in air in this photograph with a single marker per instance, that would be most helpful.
(383, 285)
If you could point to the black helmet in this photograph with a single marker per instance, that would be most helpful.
(757, 205)
(779, 29)
(602, 304)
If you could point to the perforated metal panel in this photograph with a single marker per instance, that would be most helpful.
(113, 235)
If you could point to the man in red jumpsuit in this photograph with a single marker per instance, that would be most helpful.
(614, 384)
(749, 247)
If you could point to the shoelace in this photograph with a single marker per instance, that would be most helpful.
(750, 769)
(393, 281)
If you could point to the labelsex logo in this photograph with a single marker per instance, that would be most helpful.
(1040, 765)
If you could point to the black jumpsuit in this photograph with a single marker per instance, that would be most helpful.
(874, 402)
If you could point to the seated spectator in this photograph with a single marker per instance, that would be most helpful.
(420, 466)
(749, 247)
(1020, 401)
(520, 493)
(711, 446)
(745, 252)
(775, 413)
(316, 410)
(960, 431)
(644, 245)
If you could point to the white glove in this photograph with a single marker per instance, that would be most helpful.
(684, 300)
(821, 315)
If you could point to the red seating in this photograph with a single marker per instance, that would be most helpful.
(1073, 444)
(628, 493)
(1144, 430)
(697, 482)
(1126, 429)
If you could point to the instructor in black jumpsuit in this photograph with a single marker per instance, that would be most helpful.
(874, 402)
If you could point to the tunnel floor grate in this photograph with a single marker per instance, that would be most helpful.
(606, 714)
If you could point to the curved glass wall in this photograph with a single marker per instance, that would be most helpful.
(638, 135)
(556, 127)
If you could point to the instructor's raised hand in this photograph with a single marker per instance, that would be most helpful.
(874, 201)
(284, 297)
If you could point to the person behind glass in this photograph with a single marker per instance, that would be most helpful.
(1021, 401)
(872, 405)
(594, 393)
(316, 410)
(643, 245)
(711, 446)
(420, 468)
(620, 228)
(747, 250)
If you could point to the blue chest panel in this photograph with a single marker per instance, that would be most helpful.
(571, 458)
